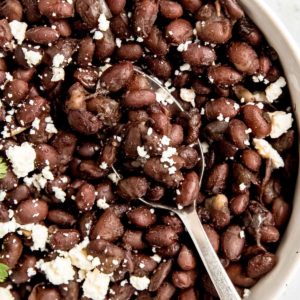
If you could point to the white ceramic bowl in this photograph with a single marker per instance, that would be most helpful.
(272, 286)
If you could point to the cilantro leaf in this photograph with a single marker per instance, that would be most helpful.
(3, 272)
(3, 168)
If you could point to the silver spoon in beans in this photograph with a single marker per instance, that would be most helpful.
(186, 194)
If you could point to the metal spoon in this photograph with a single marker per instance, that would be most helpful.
(190, 219)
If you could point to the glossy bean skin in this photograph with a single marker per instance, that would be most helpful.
(260, 265)
(31, 211)
(104, 224)
(11, 250)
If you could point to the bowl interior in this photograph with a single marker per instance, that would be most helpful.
(274, 284)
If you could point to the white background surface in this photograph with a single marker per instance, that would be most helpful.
(289, 12)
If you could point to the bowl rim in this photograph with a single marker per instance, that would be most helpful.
(270, 287)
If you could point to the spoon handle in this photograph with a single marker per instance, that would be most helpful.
(216, 271)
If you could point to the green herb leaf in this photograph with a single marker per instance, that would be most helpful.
(3, 168)
(3, 272)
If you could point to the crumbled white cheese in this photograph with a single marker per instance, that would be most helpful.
(242, 186)
(167, 154)
(188, 95)
(79, 257)
(163, 97)
(7, 227)
(236, 106)
(98, 35)
(96, 285)
(37, 180)
(205, 147)
(259, 78)
(33, 58)
(184, 46)
(103, 23)
(156, 258)
(47, 174)
(113, 177)
(58, 60)
(58, 271)
(18, 30)
(149, 131)
(22, 158)
(281, 122)
(59, 193)
(58, 74)
(242, 234)
(139, 283)
(165, 140)
(36, 123)
(31, 272)
(220, 117)
(103, 165)
(267, 151)
(39, 235)
(185, 67)
(101, 203)
(172, 170)
(142, 152)
(118, 42)
(274, 90)
(246, 293)
(5, 294)
(249, 130)
(50, 128)
(2, 195)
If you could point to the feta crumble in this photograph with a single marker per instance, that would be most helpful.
(103, 165)
(33, 58)
(39, 235)
(188, 95)
(22, 159)
(246, 293)
(79, 257)
(142, 152)
(156, 258)
(274, 90)
(139, 283)
(163, 97)
(59, 193)
(114, 178)
(18, 30)
(242, 234)
(101, 203)
(184, 46)
(58, 271)
(103, 23)
(5, 294)
(281, 122)
(267, 151)
(58, 60)
(2, 195)
(98, 35)
(185, 67)
(118, 42)
(165, 140)
(58, 74)
(36, 123)
(96, 285)
(242, 186)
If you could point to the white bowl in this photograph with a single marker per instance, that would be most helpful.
(272, 286)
